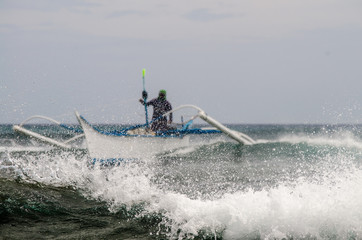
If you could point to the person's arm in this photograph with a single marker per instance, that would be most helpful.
(170, 121)
(148, 103)
(171, 114)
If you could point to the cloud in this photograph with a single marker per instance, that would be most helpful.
(44, 5)
(127, 13)
(204, 15)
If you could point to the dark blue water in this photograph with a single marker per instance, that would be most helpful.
(296, 182)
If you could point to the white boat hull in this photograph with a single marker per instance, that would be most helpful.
(106, 146)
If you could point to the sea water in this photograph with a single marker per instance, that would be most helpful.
(296, 182)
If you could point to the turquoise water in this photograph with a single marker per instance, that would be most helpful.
(296, 182)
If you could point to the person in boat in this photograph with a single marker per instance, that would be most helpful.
(160, 107)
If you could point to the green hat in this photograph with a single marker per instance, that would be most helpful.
(162, 92)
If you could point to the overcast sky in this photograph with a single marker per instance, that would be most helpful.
(260, 61)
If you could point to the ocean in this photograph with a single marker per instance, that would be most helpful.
(296, 182)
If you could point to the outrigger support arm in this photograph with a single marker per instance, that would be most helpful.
(40, 137)
(65, 144)
(237, 136)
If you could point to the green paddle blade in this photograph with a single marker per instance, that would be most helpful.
(143, 72)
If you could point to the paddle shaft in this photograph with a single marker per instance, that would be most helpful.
(144, 95)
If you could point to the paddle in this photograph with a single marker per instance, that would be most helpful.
(144, 95)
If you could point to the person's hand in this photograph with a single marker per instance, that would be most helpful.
(141, 100)
(169, 121)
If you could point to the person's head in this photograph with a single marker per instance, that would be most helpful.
(162, 94)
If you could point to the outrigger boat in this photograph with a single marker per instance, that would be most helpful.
(140, 141)
(136, 141)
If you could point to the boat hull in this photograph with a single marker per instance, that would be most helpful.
(103, 146)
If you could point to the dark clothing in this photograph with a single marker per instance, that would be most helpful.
(160, 107)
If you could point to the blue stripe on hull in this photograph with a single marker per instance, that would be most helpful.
(110, 162)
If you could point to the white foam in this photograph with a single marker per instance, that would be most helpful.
(24, 149)
(52, 169)
(329, 206)
(341, 139)
(126, 184)
(320, 208)
(304, 209)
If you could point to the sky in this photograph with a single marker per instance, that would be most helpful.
(241, 61)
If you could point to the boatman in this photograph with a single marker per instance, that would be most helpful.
(160, 107)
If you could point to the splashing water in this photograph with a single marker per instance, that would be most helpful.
(295, 184)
